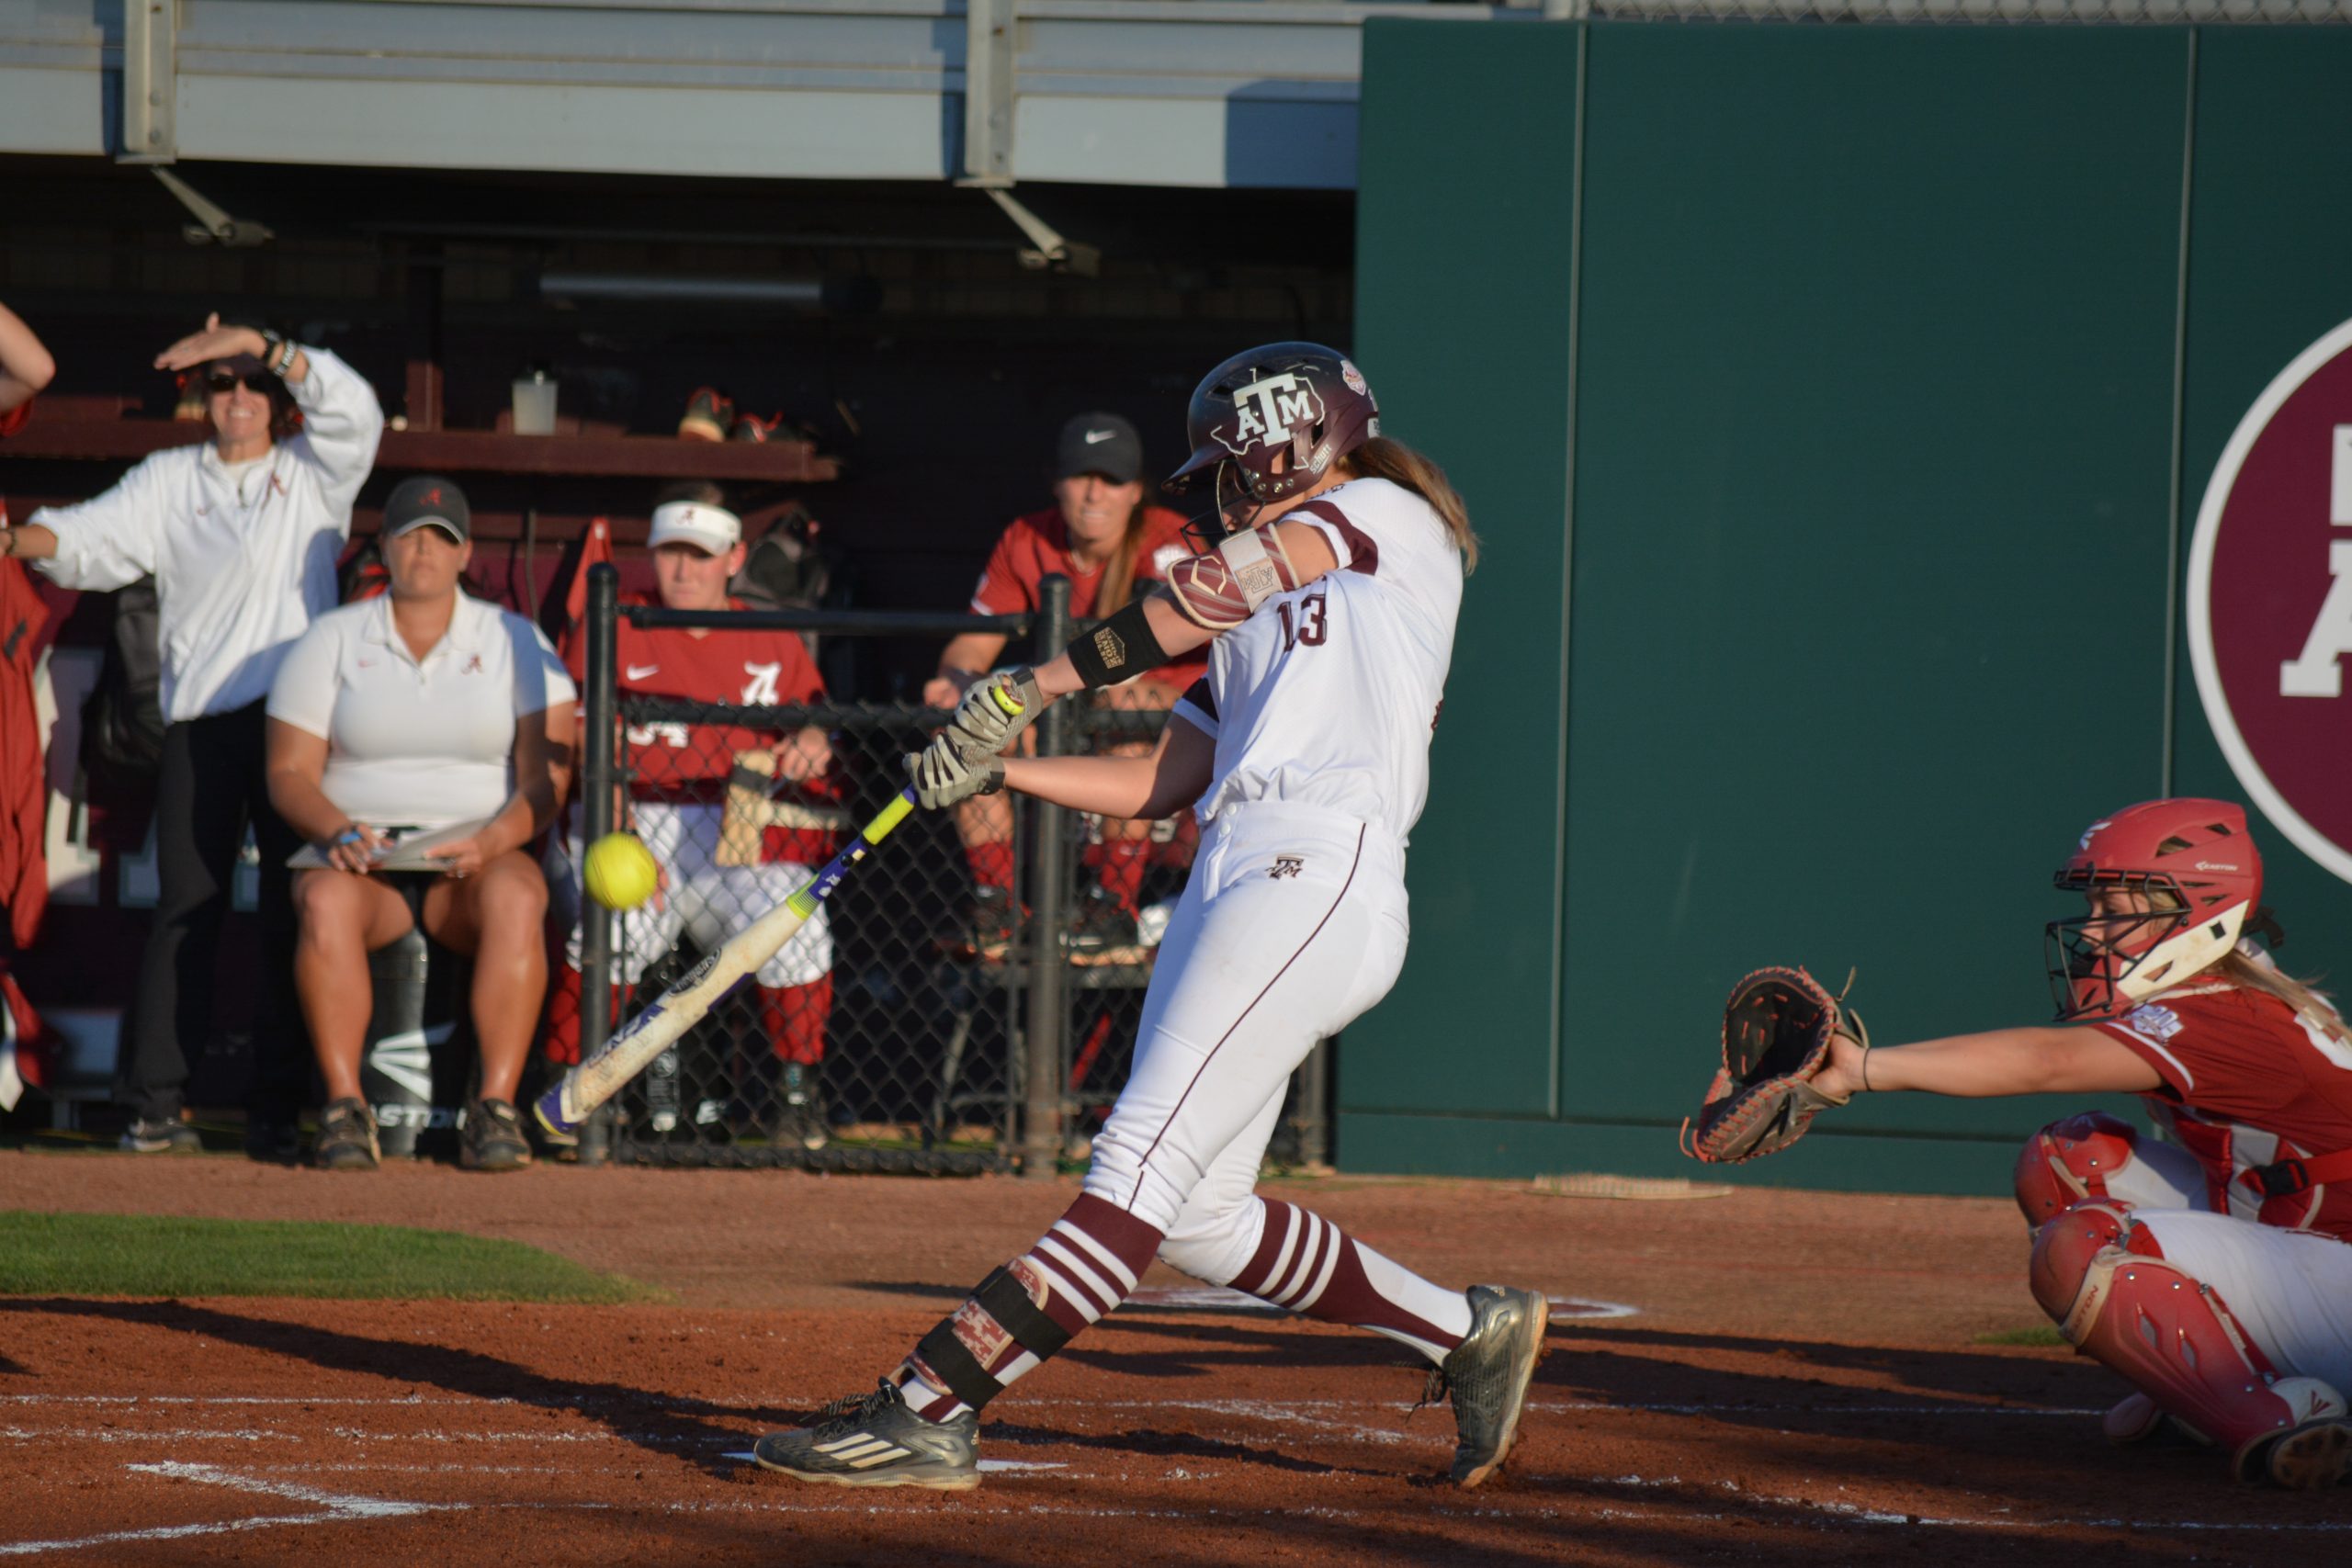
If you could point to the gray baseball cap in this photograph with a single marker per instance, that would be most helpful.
(1100, 443)
(426, 499)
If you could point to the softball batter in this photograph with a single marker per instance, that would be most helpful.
(2212, 1271)
(1331, 600)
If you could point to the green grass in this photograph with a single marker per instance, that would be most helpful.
(2039, 1333)
(142, 1255)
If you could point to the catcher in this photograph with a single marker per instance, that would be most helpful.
(2212, 1269)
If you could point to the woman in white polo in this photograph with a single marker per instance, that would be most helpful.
(425, 707)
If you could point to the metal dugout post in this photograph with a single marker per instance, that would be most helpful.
(1048, 1016)
(599, 779)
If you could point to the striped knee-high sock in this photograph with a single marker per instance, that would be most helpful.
(1307, 1263)
(1086, 1264)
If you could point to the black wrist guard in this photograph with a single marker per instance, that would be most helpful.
(1119, 650)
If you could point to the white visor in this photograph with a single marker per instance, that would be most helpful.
(713, 530)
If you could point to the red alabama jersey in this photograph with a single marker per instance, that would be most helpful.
(683, 761)
(1038, 543)
(2248, 1082)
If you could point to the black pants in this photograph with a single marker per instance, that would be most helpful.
(209, 788)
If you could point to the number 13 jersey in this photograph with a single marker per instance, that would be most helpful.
(1328, 695)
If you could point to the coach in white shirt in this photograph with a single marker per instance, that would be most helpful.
(426, 707)
(241, 535)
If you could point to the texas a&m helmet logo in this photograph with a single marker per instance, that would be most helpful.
(1265, 412)
(2270, 600)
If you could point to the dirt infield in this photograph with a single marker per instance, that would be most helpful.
(1731, 1380)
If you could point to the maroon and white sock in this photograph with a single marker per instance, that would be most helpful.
(1082, 1268)
(1307, 1263)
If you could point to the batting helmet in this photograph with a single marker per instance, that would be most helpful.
(2198, 880)
(1299, 398)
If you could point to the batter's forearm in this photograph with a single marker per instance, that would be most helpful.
(1176, 636)
(1109, 786)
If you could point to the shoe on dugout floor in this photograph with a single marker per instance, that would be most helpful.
(801, 1107)
(347, 1137)
(1103, 930)
(751, 427)
(875, 1441)
(161, 1135)
(709, 415)
(492, 1137)
(988, 929)
(1488, 1376)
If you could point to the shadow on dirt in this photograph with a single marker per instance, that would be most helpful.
(658, 1423)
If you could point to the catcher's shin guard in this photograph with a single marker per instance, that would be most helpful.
(2118, 1300)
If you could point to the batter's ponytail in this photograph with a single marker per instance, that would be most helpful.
(1381, 458)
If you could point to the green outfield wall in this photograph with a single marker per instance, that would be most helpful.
(1834, 403)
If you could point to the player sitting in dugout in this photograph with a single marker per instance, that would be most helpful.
(2212, 1269)
(429, 707)
(1102, 535)
(735, 817)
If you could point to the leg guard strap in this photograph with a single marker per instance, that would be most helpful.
(1005, 1299)
(944, 1356)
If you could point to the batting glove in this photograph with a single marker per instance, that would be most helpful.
(995, 708)
(943, 776)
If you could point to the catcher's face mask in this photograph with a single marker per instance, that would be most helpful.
(2138, 937)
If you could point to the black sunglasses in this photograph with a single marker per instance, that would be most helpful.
(228, 381)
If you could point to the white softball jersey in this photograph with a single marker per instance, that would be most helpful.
(243, 557)
(429, 742)
(1295, 920)
(1327, 695)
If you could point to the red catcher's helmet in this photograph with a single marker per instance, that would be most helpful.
(1296, 398)
(2196, 866)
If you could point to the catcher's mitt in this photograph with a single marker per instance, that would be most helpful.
(1777, 1028)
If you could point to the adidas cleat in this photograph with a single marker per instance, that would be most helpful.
(875, 1441)
(1487, 1376)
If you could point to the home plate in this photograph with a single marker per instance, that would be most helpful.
(1217, 1298)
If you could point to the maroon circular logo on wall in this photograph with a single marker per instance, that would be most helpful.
(2270, 602)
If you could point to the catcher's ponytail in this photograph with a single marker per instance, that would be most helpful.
(1381, 458)
(2311, 1004)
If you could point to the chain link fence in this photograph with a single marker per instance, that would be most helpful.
(1962, 12)
(918, 1023)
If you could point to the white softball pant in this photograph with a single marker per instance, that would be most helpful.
(1291, 926)
(706, 901)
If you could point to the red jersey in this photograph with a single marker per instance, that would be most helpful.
(2248, 1082)
(1038, 543)
(691, 761)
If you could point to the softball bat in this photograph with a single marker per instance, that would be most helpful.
(589, 1084)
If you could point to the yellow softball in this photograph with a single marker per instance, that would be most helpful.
(620, 873)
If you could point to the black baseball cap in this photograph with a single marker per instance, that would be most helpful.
(426, 499)
(1100, 443)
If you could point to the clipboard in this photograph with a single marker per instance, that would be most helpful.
(410, 849)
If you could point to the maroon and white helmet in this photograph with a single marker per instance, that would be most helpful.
(1301, 399)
